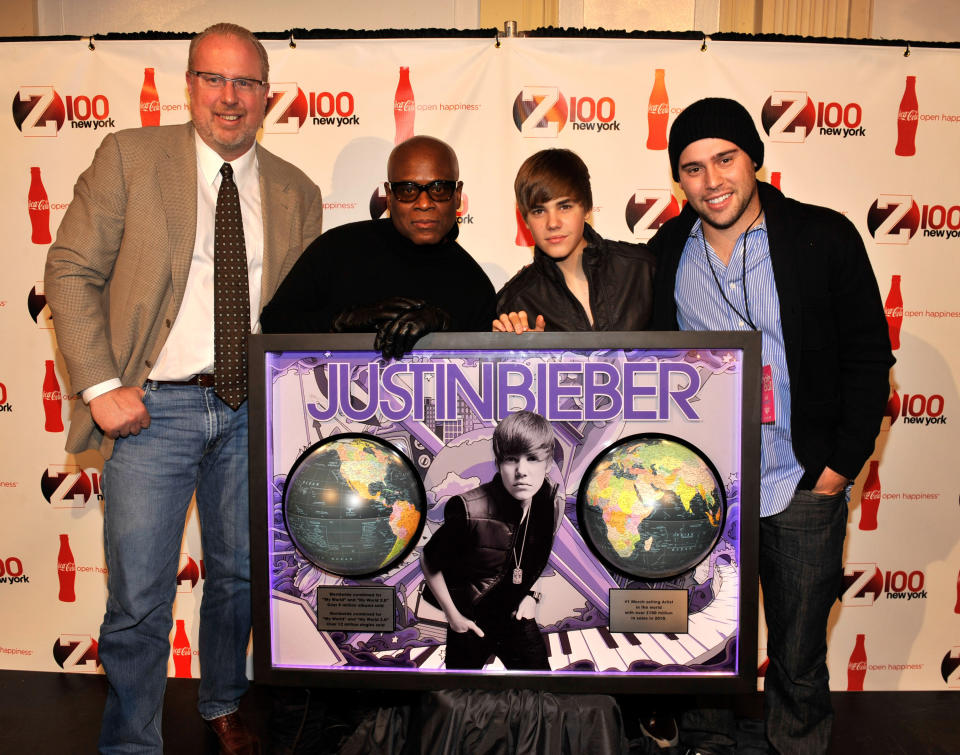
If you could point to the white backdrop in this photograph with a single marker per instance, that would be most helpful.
(497, 105)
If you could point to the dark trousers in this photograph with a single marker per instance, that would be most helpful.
(517, 643)
(801, 571)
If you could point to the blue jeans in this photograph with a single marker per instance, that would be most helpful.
(195, 443)
(801, 570)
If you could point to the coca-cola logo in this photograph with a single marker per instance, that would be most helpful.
(871, 495)
(66, 566)
(150, 106)
(895, 313)
(404, 106)
(76, 652)
(857, 665)
(648, 209)
(184, 651)
(661, 108)
(909, 115)
(52, 396)
(38, 204)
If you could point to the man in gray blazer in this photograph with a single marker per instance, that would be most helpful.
(133, 281)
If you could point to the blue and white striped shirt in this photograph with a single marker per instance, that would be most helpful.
(701, 306)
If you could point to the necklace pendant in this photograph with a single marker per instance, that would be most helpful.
(517, 576)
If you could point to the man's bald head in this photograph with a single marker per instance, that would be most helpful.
(423, 160)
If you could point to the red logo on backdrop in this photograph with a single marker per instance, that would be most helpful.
(189, 573)
(864, 584)
(38, 208)
(950, 667)
(149, 100)
(523, 237)
(11, 571)
(38, 309)
(658, 112)
(182, 654)
(52, 400)
(404, 107)
(916, 409)
(543, 111)
(76, 652)
(463, 216)
(857, 666)
(648, 209)
(66, 571)
(908, 117)
(378, 202)
(896, 218)
(791, 117)
(5, 406)
(69, 487)
(870, 498)
(288, 108)
(893, 308)
(39, 111)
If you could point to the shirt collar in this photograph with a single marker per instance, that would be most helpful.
(209, 164)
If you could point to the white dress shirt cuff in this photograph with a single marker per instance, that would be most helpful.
(99, 389)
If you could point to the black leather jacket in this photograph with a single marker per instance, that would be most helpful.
(474, 547)
(619, 276)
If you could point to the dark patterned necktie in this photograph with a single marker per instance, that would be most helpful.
(231, 296)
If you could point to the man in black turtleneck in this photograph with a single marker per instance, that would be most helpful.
(400, 277)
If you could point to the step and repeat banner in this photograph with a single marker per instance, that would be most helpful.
(865, 129)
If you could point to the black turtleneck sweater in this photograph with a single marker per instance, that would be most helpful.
(364, 263)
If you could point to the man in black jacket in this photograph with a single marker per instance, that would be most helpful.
(742, 256)
(578, 280)
(400, 277)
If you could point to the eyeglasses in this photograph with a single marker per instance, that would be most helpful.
(409, 191)
(218, 81)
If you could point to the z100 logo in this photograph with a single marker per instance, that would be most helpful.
(76, 652)
(896, 218)
(542, 112)
(189, 573)
(39, 111)
(950, 667)
(648, 209)
(5, 406)
(792, 116)
(916, 409)
(863, 584)
(288, 107)
(69, 486)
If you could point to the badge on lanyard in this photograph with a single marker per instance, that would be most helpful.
(768, 406)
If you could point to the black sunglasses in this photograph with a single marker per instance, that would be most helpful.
(409, 191)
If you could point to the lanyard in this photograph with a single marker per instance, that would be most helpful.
(746, 303)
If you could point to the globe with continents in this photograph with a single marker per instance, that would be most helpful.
(651, 506)
(354, 505)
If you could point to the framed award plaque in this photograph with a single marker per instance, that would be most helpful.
(565, 511)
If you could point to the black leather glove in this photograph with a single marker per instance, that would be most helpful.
(368, 318)
(396, 337)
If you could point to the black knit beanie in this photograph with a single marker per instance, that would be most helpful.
(714, 118)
